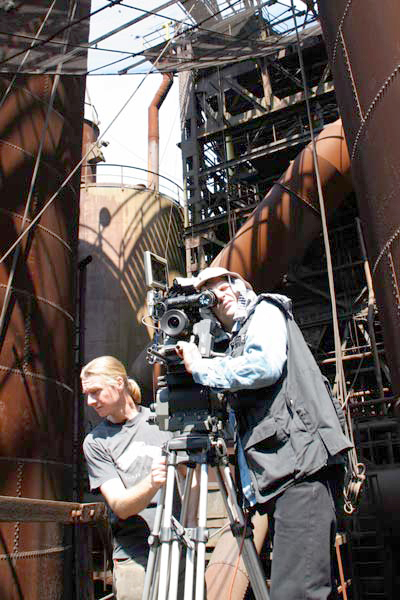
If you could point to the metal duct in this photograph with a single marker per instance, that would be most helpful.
(362, 39)
(38, 336)
(283, 225)
(154, 136)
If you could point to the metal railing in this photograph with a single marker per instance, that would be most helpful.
(126, 176)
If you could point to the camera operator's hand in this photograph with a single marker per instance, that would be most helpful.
(189, 353)
(158, 473)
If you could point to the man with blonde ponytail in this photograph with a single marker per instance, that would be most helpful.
(125, 464)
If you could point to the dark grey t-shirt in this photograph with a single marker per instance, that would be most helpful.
(126, 450)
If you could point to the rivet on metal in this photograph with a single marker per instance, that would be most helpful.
(340, 30)
(385, 248)
(394, 281)
(373, 104)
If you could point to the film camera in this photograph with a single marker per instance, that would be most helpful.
(181, 404)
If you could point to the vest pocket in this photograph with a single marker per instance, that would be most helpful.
(266, 435)
(269, 457)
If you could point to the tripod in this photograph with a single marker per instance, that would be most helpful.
(170, 536)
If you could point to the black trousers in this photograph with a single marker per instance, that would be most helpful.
(303, 530)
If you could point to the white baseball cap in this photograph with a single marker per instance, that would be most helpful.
(215, 272)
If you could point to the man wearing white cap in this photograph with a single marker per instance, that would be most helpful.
(291, 440)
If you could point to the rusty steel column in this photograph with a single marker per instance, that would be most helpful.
(283, 225)
(154, 136)
(38, 336)
(362, 39)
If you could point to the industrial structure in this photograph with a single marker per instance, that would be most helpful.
(263, 86)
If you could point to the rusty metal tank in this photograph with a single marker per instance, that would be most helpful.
(362, 42)
(37, 336)
(118, 222)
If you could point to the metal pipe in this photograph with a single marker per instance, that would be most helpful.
(288, 219)
(154, 135)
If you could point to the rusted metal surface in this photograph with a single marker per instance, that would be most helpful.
(154, 136)
(362, 41)
(282, 227)
(37, 359)
(47, 511)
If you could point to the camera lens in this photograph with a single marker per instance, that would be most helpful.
(173, 322)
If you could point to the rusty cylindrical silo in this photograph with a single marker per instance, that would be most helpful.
(362, 39)
(284, 224)
(37, 353)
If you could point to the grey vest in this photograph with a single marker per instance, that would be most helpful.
(293, 428)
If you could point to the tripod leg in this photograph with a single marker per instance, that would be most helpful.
(202, 522)
(190, 550)
(152, 562)
(166, 527)
(176, 544)
(238, 524)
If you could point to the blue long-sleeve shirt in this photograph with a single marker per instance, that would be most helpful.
(263, 359)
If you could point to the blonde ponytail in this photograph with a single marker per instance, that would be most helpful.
(134, 391)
